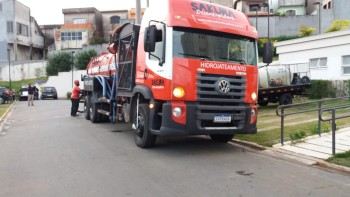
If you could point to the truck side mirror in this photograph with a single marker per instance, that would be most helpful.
(150, 38)
(267, 52)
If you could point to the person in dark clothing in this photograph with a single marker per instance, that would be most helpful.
(36, 93)
(30, 94)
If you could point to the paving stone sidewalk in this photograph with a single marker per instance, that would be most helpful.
(320, 147)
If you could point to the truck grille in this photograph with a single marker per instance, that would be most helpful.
(211, 102)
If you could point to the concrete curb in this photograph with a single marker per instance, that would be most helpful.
(3, 116)
(293, 157)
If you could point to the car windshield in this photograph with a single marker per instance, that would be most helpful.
(24, 89)
(49, 89)
(214, 46)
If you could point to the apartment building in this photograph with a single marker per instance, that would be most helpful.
(20, 36)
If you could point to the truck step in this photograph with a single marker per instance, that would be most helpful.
(104, 100)
(103, 112)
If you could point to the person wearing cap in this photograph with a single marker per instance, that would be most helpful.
(75, 99)
(30, 94)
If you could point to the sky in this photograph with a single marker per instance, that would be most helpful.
(49, 12)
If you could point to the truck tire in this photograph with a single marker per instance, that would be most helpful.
(286, 99)
(87, 107)
(263, 102)
(142, 135)
(94, 115)
(221, 138)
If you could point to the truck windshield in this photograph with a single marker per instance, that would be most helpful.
(214, 46)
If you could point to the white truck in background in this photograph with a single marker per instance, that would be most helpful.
(280, 82)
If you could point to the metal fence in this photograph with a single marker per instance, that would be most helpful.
(320, 108)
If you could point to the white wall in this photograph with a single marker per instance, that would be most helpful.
(22, 71)
(63, 82)
(331, 45)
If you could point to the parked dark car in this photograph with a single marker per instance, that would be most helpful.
(23, 94)
(5, 95)
(48, 92)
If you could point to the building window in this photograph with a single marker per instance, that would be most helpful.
(290, 13)
(79, 21)
(318, 63)
(346, 65)
(9, 26)
(254, 7)
(66, 36)
(22, 29)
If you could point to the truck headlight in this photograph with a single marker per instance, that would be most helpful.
(179, 92)
(254, 96)
(177, 112)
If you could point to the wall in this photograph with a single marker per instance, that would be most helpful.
(23, 70)
(63, 82)
(330, 45)
(289, 25)
(31, 70)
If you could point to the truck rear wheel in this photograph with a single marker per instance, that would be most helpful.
(142, 135)
(221, 138)
(286, 99)
(87, 107)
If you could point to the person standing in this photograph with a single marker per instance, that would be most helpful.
(75, 99)
(30, 94)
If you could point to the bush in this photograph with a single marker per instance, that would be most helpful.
(297, 136)
(82, 59)
(338, 25)
(305, 31)
(60, 62)
(97, 40)
(321, 89)
(68, 95)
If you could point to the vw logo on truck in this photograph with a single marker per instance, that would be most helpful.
(223, 86)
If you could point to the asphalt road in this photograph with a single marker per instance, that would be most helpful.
(46, 152)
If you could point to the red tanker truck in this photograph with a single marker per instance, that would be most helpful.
(190, 68)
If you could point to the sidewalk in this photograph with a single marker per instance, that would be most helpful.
(320, 147)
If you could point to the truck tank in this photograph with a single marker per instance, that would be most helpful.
(276, 75)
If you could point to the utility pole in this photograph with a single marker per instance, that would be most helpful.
(138, 12)
(268, 19)
(319, 15)
(256, 18)
(72, 66)
(8, 56)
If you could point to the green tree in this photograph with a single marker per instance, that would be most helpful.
(97, 40)
(338, 25)
(59, 62)
(305, 31)
(82, 59)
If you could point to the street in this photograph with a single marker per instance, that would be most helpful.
(46, 152)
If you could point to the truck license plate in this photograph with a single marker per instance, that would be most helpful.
(222, 118)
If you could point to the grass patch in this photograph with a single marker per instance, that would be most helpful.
(3, 108)
(297, 136)
(269, 124)
(342, 159)
(18, 84)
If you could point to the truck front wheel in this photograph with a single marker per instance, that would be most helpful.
(142, 135)
(221, 138)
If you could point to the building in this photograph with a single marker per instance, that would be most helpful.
(328, 54)
(19, 33)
